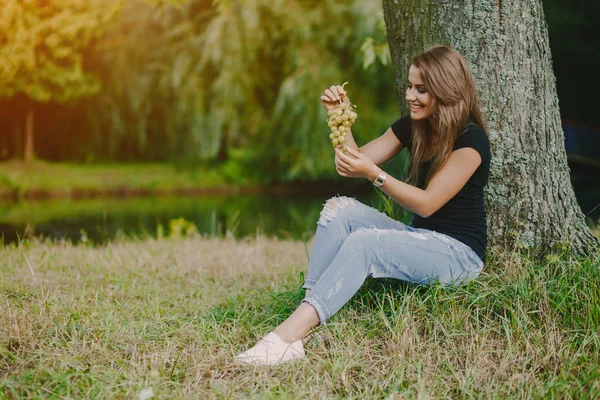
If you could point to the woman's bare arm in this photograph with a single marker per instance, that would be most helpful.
(444, 185)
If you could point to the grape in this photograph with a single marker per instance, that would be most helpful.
(341, 118)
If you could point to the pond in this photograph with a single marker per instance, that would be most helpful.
(101, 220)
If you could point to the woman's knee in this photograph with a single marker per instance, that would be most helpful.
(334, 206)
(362, 237)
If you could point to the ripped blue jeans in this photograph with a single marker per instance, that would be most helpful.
(355, 241)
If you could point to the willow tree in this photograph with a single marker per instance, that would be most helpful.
(236, 80)
(42, 52)
(529, 198)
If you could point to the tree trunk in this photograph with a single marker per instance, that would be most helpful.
(29, 152)
(222, 154)
(529, 198)
(18, 138)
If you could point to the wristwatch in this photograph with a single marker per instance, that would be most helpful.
(380, 180)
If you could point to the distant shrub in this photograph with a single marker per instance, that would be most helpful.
(181, 228)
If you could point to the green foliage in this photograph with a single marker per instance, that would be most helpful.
(42, 45)
(196, 82)
(390, 207)
(230, 84)
(181, 228)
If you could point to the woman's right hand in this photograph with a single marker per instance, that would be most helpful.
(332, 96)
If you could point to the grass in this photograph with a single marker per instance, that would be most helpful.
(41, 178)
(168, 315)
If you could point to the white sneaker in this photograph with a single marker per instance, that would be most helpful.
(271, 350)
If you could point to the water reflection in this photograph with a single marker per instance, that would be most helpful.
(99, 220)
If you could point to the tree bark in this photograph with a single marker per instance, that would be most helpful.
(17, 142)
(529, 198)
(222, 154)
(29, 149)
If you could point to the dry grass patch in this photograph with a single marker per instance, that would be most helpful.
(111, 321)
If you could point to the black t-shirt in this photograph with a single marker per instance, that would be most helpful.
(462, 217)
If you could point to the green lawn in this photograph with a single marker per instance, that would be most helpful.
(40, 178)
(169, 315)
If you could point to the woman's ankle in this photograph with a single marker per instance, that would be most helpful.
(298, 324)
(283, 335)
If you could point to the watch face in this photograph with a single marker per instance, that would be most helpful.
(379, 180)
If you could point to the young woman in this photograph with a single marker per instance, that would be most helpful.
(449, 166)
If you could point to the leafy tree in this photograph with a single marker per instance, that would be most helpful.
(152, 95)
(239, 81)
(42, 51)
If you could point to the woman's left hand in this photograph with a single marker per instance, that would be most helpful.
(354, 164)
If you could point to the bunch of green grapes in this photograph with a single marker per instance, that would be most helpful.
(341, 118)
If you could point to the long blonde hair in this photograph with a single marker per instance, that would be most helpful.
(451, 83)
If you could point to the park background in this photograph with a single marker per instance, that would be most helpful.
(198, 110)
(183, 153)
